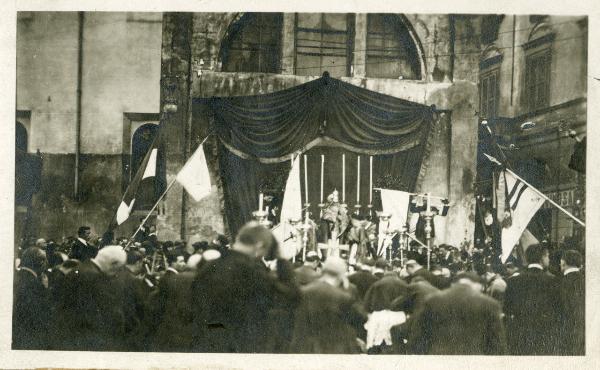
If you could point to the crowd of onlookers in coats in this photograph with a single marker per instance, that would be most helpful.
(216, 297)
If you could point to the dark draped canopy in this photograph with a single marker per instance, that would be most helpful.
(258, 135)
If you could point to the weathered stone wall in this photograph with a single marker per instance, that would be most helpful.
(449, 83)
(120, 73)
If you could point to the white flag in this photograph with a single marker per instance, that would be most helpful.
(150, 170)
(290, 209)
(522, 202)
(194, 175)
(395, 203)
(123, 211)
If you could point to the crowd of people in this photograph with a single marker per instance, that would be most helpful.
(241, 297)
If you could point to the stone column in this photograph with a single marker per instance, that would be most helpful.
(360, 46)
(175, 89)
(288, 46)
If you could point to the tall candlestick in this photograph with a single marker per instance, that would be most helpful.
(306, 179)
(322, 174)
(358, 179)
(371, 179)
(260, 202)
(343, 178)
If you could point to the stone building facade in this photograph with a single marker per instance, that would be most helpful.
(533, 91)
(132, 64)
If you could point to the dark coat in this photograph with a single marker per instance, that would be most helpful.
(533, 311)
(232, 297)
(458, 321)
(326, 321)
(174, 313)
(572, 294)
(31, 312)
(383, 292)
(134, 297)
(305, 275)
(363, 281)
(92, 317)
(82, 252)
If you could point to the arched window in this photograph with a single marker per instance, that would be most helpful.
(140, 143)
(253, 44)
(324, 42)
(21, 137)
(391, 51)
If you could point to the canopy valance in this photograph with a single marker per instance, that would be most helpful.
(326, 111)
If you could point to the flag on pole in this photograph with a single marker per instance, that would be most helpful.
(290, 209)
(194, 176)
(146, 174)
(521, 204)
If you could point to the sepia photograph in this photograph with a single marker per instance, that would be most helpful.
(264, 182)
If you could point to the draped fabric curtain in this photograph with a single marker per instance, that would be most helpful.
(259, 134)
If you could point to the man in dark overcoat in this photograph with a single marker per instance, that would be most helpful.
(532, 307)
(460, 320)
(233, 295)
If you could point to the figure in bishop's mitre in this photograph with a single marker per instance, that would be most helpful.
(334, 220)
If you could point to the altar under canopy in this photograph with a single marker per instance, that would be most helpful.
(257, 136)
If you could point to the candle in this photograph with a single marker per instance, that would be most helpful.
(371, 179)
(322, 174)
(343, 178)
(260, 201)
(306, 179)
(358, 179)
(428, 203)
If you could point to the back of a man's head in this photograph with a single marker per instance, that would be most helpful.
(111, 259)
(34, 258)
(255, 239)
(381, 263)
(470, 279)
(535, 253)
(134, 257)
(572, 258)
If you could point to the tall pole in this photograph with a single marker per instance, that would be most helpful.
(152, 210)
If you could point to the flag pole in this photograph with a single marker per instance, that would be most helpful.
(419, 194)
(548, 199)
(161, 197)
(152, 210)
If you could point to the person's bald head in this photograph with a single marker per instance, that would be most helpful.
(111, 259)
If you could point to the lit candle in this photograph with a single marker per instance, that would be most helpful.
(358, 179)
(322, 174)
(306, 179)
(260, 201)
(344, 178)
(371, 179)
